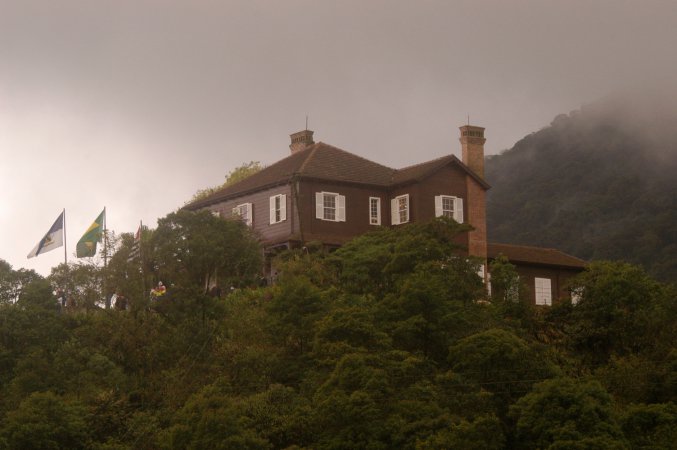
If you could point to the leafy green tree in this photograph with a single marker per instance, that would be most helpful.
(483, 433)
(381, 400)
(82, 283)
(237, 174)
(46, 421)
(12, 282)
(191, 248)
(650, 426)
(565, 413)
(501, 363)
(37, 294)
(348, 329)
(210, 419)
(433, 305)
(505, 282)
(295, 307)
(622, 311)
(279, 415)
(375, 262)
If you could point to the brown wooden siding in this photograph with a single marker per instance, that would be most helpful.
(261, 217)
(357, 211)
(559, 279)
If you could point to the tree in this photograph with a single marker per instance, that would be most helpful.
(194, 248)
(650, 426)
(82, 283)
(501, 363)
(237, 174)
(12, 282)
(210, 419)
(622, 311)
(566, 413)
(45, 420)
(374, 263)
(505, 282)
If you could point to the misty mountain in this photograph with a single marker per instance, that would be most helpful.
(599, 183)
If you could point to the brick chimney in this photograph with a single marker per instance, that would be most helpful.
(472, 146)
(300, 140)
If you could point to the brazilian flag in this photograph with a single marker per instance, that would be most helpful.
(87, 244)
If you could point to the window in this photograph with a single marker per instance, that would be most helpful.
(399, 209)
(543, 291)
(449, 206)
(576, 295)
(244, 211)
(216, 213)
(278, 208)
(480, 272)
(330, 206)
(374, 211)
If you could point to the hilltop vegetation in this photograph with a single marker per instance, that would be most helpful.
(379, 345)
(598, 183)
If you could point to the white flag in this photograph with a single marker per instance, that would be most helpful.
(52, 240)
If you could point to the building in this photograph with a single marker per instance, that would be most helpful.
(325, 194)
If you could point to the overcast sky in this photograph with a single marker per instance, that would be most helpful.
(135, 104)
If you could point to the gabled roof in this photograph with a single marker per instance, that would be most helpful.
(326, 162)
(419, 171)
(534, 255)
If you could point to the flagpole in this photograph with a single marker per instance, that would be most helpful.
(66, 293)
(143, 272)
(105, 260)
(65, 246)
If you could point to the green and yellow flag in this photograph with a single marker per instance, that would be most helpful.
(87, 244)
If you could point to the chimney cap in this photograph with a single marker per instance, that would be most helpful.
(300, 140)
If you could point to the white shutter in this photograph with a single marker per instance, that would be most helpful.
(341, 208)
(272, 210)
(406, 196)
(438, 206)
(458, 210)
(394, 212)
(250, 214)
(319, 205)
(283, 207)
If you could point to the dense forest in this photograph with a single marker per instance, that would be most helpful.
(598, 183)
(389, 342)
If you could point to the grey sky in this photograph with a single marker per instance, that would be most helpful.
(135, 105)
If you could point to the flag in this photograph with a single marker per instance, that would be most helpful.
(136, 246)
(86, 246)
(52, 240)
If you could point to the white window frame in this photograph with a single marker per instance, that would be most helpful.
(278, 208)
(543, 291)
(323, 212)
(396, 212)
(375, 219)
(244, 212)
(457, 204)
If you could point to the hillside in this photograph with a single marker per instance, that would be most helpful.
(598, 183)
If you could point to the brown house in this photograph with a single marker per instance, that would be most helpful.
(322, 193)
(545, 271)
